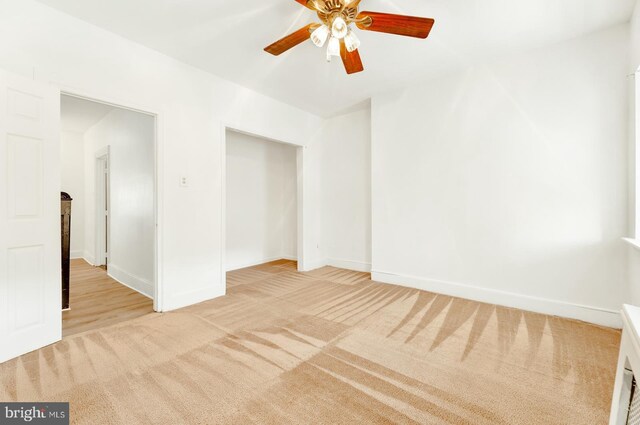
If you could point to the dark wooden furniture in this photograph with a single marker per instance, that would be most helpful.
(65, 226)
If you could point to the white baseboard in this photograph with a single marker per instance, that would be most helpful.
(76, 255)
(258, 262)
(89, 258)
(357, 266)
(311, 265)
(136, 283)
(186, 299)
(596, 315)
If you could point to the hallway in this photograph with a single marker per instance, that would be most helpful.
(97, 300)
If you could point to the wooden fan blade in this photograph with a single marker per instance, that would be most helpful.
(351, 60)
(290, 41)
(410, 26)
(306, 3)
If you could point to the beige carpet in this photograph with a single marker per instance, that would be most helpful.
(326, 347)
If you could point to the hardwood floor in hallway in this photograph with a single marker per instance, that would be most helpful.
(97, 300)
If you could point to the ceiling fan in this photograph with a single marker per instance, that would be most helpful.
(336, 17)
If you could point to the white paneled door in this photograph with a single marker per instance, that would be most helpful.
(30, 287)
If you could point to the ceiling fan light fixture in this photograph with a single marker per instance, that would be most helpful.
(320, 35)
(351, 41)
(337, 21)
(333, 49)
(339, 28)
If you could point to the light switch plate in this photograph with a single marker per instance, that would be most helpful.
(184, 181)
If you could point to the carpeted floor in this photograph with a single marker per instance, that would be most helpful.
(326, 347)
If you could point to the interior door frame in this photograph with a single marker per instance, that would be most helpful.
(158, 115)
(103, 200)
(300, 253)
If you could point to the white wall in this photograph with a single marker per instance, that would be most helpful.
(633, 89)
(507, 183)
(337, 193)
(634, 36)
(130, 137)
(261, 206)
(193, 106)
(346, 190)
(289, 217)
(72, 182)
(509, 178)
(312, 255)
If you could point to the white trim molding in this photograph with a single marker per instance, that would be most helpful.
(102, 188)
(635, 243)
(136, 283)
(89, 258)
(233, 267)
(308, 266)
(185, 299)
(357, 266)
(628, 365)
(591, 314)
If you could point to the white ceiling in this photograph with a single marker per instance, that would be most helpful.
(226, 38)
(79, 115)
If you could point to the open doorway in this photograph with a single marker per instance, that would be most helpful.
(261, 206)
(102, 208)
(108, 169)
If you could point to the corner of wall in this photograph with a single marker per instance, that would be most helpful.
(136, 283)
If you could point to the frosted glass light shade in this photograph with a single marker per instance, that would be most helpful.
(320, 35)
(339, 28)
(333, 49)
(351, 41)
